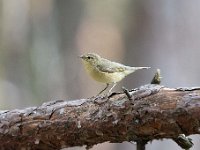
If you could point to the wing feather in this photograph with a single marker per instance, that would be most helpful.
(110, 67)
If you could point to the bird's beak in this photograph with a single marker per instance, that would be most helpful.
(82, 56)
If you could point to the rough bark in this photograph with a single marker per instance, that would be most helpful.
(152, 112)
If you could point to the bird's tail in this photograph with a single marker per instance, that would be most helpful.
(138, 68)
(133, 69)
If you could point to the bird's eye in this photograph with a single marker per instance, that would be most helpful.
(89, 57)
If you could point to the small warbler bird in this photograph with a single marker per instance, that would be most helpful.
(106, 71)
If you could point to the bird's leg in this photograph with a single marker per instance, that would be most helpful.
(107, 84)
(112, 88)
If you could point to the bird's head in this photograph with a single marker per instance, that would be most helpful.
(91, 58)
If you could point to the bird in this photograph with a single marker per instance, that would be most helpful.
(106, 71)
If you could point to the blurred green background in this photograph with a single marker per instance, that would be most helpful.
(40, 42)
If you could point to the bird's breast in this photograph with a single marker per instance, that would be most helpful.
(103, 77)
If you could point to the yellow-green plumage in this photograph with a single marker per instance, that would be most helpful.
(105, 71)
(104, 77)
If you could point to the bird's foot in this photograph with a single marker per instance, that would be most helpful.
(100, 99)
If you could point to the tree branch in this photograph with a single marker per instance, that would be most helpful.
(152, 112)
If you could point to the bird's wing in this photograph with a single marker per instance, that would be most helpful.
(110, 67)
